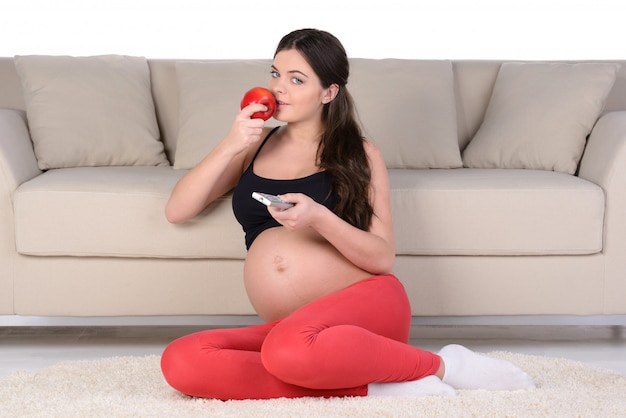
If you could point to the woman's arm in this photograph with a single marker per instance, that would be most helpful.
(219, 171)
(373, 250)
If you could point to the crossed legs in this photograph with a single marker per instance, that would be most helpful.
(334, 346)
(351, 343)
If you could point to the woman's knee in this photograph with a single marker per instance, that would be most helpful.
(288, 354)
(177, 365)
(189, 365)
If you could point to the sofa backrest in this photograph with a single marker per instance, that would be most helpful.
(473, 82)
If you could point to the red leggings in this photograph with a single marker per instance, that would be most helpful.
(334, 346)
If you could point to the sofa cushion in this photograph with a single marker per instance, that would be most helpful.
(408, 108)
(495, 212)
(118, 211)
(209, 97)
(539, 115)
(90, 111)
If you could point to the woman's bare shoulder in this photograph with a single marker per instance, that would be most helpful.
(373, 152)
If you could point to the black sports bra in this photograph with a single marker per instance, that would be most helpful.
(253, 216)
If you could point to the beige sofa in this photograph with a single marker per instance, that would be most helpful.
(498, 210)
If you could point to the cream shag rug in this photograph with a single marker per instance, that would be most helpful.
(134, 387)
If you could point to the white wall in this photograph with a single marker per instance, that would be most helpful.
(434, 29)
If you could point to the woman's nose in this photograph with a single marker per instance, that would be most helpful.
(276, 86)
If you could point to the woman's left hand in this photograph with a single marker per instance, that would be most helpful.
(301, 215)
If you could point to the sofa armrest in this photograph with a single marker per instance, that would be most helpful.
(17, 157)
(17, 165)
(604, 163)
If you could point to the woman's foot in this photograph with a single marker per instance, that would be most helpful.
(465, 369)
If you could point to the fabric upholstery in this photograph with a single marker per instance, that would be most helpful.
(90, 111)
(539, 116)
(495, 212)
(436, 212)
(118, 212)
(417, 99)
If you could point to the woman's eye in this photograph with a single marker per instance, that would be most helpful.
(296, 80)
(274, 74)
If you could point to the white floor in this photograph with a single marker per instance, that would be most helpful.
(27, 348)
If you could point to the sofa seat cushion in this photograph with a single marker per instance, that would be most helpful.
(495, 212)
(119, 212)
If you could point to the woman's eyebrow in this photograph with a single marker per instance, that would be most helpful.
(291, 72)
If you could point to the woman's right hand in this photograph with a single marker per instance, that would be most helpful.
(219, 171)
(245, 131)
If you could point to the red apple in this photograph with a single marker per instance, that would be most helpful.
(263, 96)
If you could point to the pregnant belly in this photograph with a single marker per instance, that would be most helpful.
(285, 270)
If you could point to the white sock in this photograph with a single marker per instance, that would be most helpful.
(427, 386)
(466, 369)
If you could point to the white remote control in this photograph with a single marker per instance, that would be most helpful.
(271, 200)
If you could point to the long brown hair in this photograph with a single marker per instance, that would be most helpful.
(341, 149)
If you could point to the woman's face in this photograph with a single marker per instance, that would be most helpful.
(299, 93)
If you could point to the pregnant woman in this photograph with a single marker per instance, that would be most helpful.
(319, 272)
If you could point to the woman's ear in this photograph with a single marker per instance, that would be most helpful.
(330, 93)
